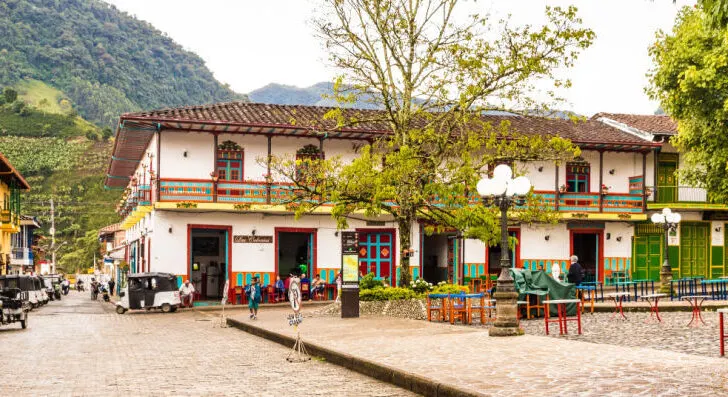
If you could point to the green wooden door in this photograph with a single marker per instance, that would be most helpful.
(694, 249)
(666, 181)
(647, 257)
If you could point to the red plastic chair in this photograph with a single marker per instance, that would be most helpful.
(271, 290)
(305, 291)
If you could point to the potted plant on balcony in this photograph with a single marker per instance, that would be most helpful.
(605, 190)
(563, 188)
(648, 191)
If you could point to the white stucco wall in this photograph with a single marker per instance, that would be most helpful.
(535, 246)
(199, 162)
(541, 180)
(474, 251)
(169, 250)
(614, 248)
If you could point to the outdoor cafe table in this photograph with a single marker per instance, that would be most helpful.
(618, 298)
(696, 302)
(653, 300)
(562, 317)
(723, 336)
(626, 286)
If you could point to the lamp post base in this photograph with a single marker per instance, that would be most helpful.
(506, 323)
(665, 278)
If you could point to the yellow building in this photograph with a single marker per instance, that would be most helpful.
(11, 183)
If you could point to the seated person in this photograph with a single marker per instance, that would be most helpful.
(317, 285)
(186, 292)
(280, 287)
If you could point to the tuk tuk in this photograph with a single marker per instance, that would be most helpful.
(149, 291)
(52, 284)
(12, 307)
(29, 286)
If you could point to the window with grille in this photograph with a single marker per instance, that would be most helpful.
(577, 177)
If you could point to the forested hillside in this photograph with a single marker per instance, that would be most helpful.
(103, 59)
(68, 69)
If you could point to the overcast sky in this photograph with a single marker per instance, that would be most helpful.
(250, 43)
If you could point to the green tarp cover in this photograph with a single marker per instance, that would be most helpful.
(540, 283)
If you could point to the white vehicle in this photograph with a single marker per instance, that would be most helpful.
(29, 286)
(149, 291)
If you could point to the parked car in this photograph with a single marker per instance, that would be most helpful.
(43, 296)
(13, 307)
(149, 291)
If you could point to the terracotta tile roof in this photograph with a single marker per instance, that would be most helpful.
(110, 228)
(311, 117)
(654, 124)
(136, 129)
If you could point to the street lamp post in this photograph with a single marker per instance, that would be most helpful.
(503, 191)
(668, 220)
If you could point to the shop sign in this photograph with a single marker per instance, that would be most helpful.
(253, 239)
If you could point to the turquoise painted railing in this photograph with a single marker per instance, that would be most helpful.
(256, 192)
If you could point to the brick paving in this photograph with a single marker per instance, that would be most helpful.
(530, 364)
(80, 347)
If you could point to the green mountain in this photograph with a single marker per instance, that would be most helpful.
(68, 69)
(315, 95)
(103, 59)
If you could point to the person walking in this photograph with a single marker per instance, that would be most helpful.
(254, 298)
(576, 272)
(112, 283)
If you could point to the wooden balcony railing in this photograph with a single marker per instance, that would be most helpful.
(678, 194)
(259, 192)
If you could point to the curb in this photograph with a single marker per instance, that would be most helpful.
(406, 380)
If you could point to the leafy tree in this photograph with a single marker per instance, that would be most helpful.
(690, 79)
(10, 95)
(433, 78)
(82, 255)
(716, 12)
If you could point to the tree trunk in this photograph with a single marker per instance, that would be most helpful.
(405, 241)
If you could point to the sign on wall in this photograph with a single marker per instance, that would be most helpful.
(350, 257)
(253, 239)
(716, 233)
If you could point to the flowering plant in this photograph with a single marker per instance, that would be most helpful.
(420, 286)
(605, 189)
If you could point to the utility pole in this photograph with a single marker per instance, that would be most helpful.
(53, 237)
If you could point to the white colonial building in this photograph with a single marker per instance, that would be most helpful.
(202, 203)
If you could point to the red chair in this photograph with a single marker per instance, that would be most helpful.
(234, 293)
(272, 298)
(305, 291)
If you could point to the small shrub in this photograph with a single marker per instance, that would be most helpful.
(369, 282)
(444, 288)
(386, 294)
(420, 286)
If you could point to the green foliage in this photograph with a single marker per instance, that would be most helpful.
(42, 156)
(10, 95)
(690, 79)
(82, 254)
(444, 288)
(105, 60)
(716, 12)
(20, 119)
(420, 286)
(386, 294)
(433, 77)
(369, 282)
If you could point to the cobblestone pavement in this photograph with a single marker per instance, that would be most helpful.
(671, 334)
(526, 365)
(82, 347)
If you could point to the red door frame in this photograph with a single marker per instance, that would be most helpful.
(517, 262)
(600, 247)
(298, 230)
(421, 249)
(229, 230)
(395, 237)
(149, 254)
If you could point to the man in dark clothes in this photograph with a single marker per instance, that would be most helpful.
(576, 272)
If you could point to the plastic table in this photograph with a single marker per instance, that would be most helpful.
(653, 300)
(723, 335)
(590, 292)
(618, 298)
(562, 318)
(696, 302)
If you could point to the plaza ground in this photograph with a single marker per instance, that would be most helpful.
(81, 347)
(612, 357)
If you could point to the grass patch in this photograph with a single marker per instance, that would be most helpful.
(44, 97)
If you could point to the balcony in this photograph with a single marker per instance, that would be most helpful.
(681, 197)
(10, 221)
(21, 256)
